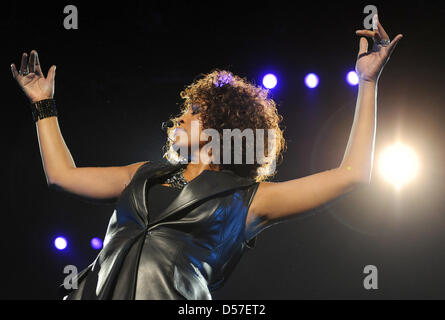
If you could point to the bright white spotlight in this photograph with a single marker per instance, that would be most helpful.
(270, 81)
(352, 78)
(398, 165)
(311, 80)
(60, 243)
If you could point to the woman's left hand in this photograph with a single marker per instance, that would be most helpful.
(370, 63)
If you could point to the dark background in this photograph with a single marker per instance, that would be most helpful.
(119, 76)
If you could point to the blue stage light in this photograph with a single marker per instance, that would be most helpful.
(60, 243)
(352, 78)
(96, 243)
(270, 81)
(311, 80)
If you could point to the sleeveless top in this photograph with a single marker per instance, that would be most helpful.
(171, 244)
(158, 198)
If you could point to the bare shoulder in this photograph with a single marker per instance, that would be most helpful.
(132, 168)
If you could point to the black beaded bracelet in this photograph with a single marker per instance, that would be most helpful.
(43, 109)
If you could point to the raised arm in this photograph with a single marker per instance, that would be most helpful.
(277, 201)
(93, 184)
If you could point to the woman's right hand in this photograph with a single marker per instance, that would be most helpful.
(31, 80)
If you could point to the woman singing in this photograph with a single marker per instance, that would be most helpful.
(180, 227)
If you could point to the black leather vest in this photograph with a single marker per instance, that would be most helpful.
(192, 245)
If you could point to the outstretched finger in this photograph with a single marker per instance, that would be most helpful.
(32, 62)
(363, 47)
(51, 74)
(364, 32)
(24, 65)
(15, 74)
(368, 33)
(393, 44)
(382, 31)
(38, 67)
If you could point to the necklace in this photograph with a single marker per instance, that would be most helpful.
(177, 180)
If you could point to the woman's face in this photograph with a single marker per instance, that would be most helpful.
(183, 132)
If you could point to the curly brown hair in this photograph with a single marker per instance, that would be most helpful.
(227, 101)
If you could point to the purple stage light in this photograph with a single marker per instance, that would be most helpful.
(96, 243)
(311, 80)
(60, 243)
(352, 78)
(270, 81)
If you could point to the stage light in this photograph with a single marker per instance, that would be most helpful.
(60, 243)
(270, 81)
(352, 78)
(398, 165)
(311, 80)
(96, 243)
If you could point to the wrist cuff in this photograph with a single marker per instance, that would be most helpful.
(43, 109)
